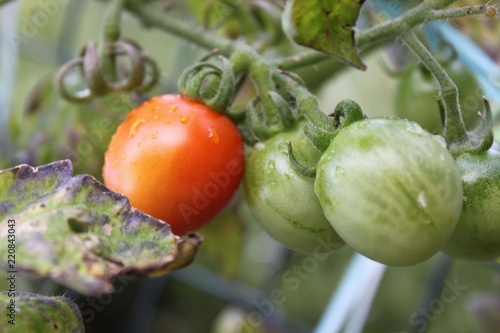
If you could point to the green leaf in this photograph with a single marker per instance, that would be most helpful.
(77, 232)
(325, 25)
(34, 313)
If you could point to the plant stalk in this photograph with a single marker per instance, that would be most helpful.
(110, 34)
(388, 30)
(454, 128)
(203, 38)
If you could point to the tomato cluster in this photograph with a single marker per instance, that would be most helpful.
(386, 187)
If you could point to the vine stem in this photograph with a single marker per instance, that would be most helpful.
(203, 38)
(454, 128)
(110, 34)
(390, 29)
(261, 75)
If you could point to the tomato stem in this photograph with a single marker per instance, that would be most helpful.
(204, 38)
(391, 29)
(454, 128)
(110, 34)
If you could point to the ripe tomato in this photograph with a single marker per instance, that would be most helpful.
(281, 200)
(177, 160)
(390, 189)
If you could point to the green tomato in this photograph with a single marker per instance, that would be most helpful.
(418, 91)
(282, 201)
(477, 235)
(390, 189)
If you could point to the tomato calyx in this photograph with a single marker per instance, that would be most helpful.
(306, 171)
(207, 83)
(481, 138)
(347, 112)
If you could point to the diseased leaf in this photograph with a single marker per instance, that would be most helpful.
(79, 233)
(34, 313)
(325, 25)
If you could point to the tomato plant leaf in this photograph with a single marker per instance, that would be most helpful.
(325, 25)
(79, 233)
(37, 313)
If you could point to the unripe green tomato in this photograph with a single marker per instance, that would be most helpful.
(477, 235)
(390, 189)
(281, 200)
(418, 91)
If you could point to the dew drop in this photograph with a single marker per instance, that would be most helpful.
(115, 163)
(135, 127)
(465, 199)
(260, 145)
(139, 144)
(155, 117)
(172, 109)
(184, 119)
(154, 135)
(212, 134)
(165, 121)
(124, 156)
(422, 200)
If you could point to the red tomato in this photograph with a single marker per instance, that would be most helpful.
(177, 160)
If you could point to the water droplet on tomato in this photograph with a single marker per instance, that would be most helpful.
(165, 121)
(184, 119)
(115, 163)
(260, 145)
(135, 127)
(465, 199)
(422, 200)
(124, 156)
(172, 109)
(154, 135)
(155, 117)
(212, 134)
